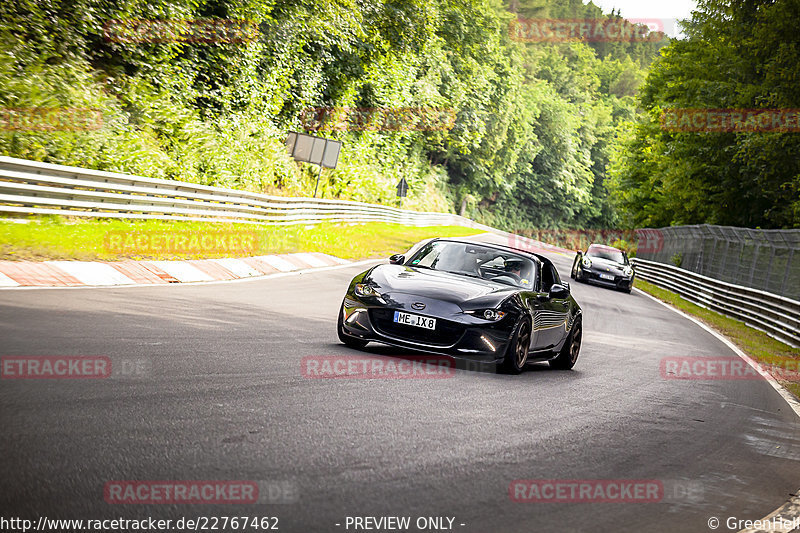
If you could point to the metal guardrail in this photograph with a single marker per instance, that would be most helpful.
(768, 260)
(30, 187)
(773, 314)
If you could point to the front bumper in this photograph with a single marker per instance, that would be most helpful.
(463, 336)
(620, 281)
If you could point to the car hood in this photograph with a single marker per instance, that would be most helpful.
(602, 264)
(402, 282)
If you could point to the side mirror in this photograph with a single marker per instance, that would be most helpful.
(559, 292)
(397, 259)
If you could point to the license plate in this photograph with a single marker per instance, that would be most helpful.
(414, 320)
(607, 276)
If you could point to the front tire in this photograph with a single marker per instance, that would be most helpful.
(578, 274)
(568, 355)
(346, 339)
(517, 350)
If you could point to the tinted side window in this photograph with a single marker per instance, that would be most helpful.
(556, 277)
(549, 277)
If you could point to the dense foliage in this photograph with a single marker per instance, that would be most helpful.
(737, 55)
(534, 124)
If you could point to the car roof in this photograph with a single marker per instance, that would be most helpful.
(597, 246)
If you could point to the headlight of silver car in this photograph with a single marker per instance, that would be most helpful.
(586, 262)
(628, 271)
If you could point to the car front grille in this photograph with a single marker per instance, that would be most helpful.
(596, 275)
(446, 333)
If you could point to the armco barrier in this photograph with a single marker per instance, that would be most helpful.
(771, 313)
(764, 259)
(29, 187)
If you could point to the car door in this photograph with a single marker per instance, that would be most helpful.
(552, 321)
(533, 299)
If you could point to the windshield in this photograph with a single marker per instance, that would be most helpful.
(606, 252)
(477, 261)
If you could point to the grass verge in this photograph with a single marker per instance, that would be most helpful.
(757, 344)
(45, 238)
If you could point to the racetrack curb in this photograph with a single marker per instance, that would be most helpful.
(127, 273)
(32, 274)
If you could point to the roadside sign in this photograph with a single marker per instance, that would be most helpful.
(402, 188)
(315, 150)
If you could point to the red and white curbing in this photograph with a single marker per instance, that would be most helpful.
(121, 273)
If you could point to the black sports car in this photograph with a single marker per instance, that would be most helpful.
(605, 266)
(475, 301)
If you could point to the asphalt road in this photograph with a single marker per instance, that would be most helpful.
(221, 397)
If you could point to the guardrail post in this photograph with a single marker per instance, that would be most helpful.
(753, 264)
(721, 273)
(786, 271)
(769, 269)
(711, 260)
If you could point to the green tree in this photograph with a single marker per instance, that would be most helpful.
(737, 55)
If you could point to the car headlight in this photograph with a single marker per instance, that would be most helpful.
(586, 262)
(364, 290)
(628, 271)
(487, 314)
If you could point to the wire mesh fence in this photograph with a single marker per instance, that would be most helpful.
(767, 260)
